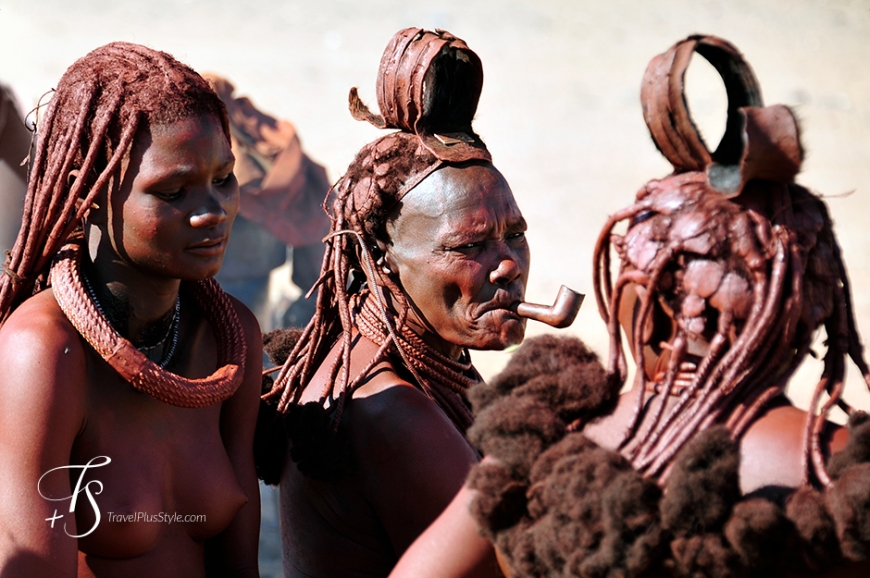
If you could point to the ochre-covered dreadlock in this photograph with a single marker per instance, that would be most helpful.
(428, 87)
(735, 268)
(100, 104)
(737, 255)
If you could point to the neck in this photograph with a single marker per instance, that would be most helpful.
(140, 309)
(419, 326)
(432, 339)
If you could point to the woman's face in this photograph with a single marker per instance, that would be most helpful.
(172, 213)
(458, 248)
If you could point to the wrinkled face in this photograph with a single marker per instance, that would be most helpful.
(458, 248)
(173, 212)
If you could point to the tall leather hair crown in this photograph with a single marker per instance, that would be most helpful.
(429, 84)
(759, 142)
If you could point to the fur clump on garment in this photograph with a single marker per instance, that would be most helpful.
(561, 373)
(318, 451)
(279, 343)
(703, 484)
(270, 439)
(557, 504)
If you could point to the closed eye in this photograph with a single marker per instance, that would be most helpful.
(225, 180)
(169, 195)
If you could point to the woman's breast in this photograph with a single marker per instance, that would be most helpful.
(169, 470)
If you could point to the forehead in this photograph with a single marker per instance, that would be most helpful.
(454, 199)
(183, 141)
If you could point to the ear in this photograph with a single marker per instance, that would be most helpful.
(384, 264)
(384, 257)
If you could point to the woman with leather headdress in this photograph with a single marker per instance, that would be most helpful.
(130, 383)
(426, 259)
(703, 468)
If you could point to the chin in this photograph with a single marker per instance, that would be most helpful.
(510, 333)
(201, 271)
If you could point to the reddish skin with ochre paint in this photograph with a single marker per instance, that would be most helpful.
(64, 405)
(457, 246)
(770, 455)
(460, 253)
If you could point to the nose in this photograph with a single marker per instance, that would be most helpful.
(212, 211)
(507, 271)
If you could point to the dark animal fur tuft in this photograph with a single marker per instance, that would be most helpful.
(704, 556)
(502, 499)
(818, 544)
(703, 485)
(848, 501)
(759, 532)
(319, 451)
(857, 450)
(560, 372)
(278, 343)
(516, 431)
(270, 441)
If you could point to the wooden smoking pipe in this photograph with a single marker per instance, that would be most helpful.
(560, 314)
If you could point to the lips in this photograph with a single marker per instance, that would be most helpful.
(502, 301)
(209, 247)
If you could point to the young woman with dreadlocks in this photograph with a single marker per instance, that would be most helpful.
(703, 468)
(426, 259)
(130, 384)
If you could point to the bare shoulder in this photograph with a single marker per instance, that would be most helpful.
(43, 392)
(38, 342)
(254, 345)
(248, 321)
(412, 459)
(771, 451)
(43, 396)
(393, 417)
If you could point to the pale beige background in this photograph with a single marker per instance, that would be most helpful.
(560, 108)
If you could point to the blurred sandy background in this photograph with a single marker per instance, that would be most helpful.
(560, 109)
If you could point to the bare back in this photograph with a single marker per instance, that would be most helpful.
(770, 451)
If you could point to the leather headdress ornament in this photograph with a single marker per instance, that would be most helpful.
(759, 142)
(429, 84)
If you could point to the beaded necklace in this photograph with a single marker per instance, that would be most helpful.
(86, 315)
(441, 378)
(146, 350)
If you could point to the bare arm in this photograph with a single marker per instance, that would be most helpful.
(234, 551)
(42, 401)
(415, 459)
(451, 547)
